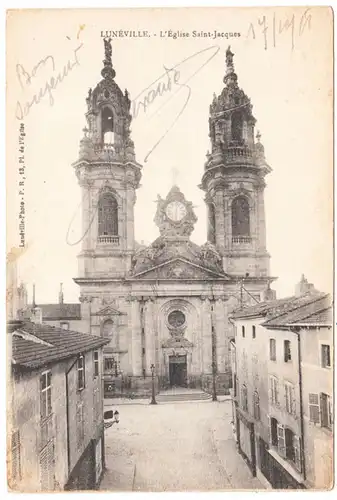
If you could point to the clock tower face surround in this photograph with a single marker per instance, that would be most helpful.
(176, 211)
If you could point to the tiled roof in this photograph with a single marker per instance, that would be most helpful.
(57, 311)
(41, 344)
(318, 311)
(275, 308)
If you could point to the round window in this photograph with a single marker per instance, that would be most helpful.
(176, 319)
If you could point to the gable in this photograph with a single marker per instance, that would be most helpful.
(107, 311)
(179, 269)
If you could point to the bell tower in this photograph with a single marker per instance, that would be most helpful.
(234, 183)
(108, 175)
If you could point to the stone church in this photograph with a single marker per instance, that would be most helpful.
(167, 305)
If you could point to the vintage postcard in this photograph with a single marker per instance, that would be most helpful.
(169, 249)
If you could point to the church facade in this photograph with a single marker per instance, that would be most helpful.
(165, 306)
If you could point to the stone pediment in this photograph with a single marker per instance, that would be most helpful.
(108, 311)
(179, 269)
(177, 342)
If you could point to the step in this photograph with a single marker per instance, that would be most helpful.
(192, 396)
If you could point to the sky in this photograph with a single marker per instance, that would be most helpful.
(285, 71)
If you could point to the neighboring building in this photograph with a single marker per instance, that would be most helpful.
(167, 304)
(55, 409)
(283, 393)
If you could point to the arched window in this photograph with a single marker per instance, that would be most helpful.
(237, 126)
(107, 330)
(240, 217)
(107, 126)
(107, 215)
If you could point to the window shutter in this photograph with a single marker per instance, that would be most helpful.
(330, 412)
(47, 467)
(286, 395)
(269, 428)
(271, 392)
(323, 401)
(293, 401)
(314, 410)
(298, 453)
(16, 457)
(276, 392)
(281, 440)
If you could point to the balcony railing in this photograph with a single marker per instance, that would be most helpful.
(238, 240)
(109, 240)
(238, 152)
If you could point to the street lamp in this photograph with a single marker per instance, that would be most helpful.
(153, 399)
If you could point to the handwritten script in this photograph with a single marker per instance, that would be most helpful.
(273, 27)
(168, 85)
(27, 79)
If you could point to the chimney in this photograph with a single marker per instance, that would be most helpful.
(61, 298)
(36, 312)
(33, 299)
(303, 287)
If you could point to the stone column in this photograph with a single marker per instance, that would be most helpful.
(220, 219)
(220, 322)
(136, 338)
(206, 336)
(149, 335)
(261, 220)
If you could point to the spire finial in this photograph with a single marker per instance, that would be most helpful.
(61, 294)
(33, 300)
(108, 71)
(230, 76)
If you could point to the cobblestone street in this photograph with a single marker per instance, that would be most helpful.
(174, 447)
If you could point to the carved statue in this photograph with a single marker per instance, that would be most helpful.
(107, 50)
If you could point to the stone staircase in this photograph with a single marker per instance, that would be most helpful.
(180, 395)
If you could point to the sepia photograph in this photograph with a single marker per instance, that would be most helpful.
(169, 249)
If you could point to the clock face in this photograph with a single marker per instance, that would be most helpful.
(176, 211)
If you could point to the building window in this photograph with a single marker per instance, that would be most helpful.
(176, 319)
(326, 411)
(244, 400)
(107, 215)
(243, 331)
(237, 389)
(96, 364)
(16, 457)
(254, 331)
(289, 442)
(80, 373)
(272, 349)
(256, 405)
(240, 217)
(45, 395)
(290, 398)
(64, 325)
(273, 431)
(109, 364)
(80, 425)
(274, 392)
(325, 355)
(287, 351)
(107, 329)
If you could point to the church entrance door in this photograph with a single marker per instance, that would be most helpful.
(178, 371)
